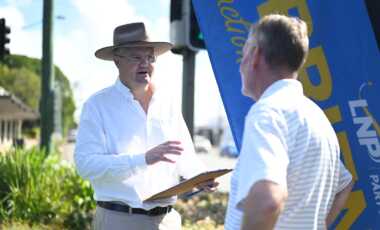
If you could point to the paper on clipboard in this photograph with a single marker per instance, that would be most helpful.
(188, 185)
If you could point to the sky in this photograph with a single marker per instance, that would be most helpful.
(83, 26)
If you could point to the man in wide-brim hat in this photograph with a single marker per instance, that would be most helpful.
(132, 141)
(128, 36)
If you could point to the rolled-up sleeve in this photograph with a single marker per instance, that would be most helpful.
(91, 157)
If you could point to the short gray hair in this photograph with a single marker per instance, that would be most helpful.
(283, 40)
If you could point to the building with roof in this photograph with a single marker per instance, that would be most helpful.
(12, 114)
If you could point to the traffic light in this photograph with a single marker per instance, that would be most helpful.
(4, 39)
(177, 26)
(195, 36)
(184, 28)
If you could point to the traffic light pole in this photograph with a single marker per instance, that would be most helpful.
(47, 94)
(188, 88)
(187, 39)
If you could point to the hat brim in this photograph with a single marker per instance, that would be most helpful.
(107, 53)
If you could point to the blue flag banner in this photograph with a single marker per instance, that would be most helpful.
(341, 74)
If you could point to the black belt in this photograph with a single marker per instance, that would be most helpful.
(125, 208)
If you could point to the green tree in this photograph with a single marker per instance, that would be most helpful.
(22, 83)
(21, 76)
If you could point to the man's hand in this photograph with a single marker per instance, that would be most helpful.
(159, 152)
(208, 186)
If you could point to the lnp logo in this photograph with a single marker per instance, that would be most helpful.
(366, 136)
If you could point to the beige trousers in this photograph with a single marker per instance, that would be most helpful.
(112, 220)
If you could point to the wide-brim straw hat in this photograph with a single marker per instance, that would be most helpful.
(131, 35)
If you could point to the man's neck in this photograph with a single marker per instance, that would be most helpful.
(272, 77)
(143, 96)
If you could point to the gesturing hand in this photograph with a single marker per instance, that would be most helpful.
(159, 152)
(208, 186)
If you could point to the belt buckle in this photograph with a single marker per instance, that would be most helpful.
(152, 212)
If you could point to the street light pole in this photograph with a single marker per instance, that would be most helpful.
(47, 93)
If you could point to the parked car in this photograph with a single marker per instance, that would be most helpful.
(202, 144)
(229, 150)
(72, 135)
(227, 146)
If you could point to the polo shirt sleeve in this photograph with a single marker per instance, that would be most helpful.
(263, 154)
(91, 158)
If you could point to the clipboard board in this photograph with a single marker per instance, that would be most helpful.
(188, 185)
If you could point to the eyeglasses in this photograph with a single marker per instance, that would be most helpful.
(138, 59)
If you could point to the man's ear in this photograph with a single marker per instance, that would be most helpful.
(256, 57)
(116, 61)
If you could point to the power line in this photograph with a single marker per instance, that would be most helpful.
(58, 17)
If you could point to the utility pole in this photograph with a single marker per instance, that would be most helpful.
(187, 40)
(47, 93)
(188, 88)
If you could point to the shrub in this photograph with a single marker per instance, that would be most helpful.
(44, 193)
(35, 189)
(203, 212)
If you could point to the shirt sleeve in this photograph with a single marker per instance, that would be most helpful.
(189, 164)
(91, 157)
(264, 153)
(345, 177)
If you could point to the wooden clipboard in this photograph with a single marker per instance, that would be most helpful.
(188, 185)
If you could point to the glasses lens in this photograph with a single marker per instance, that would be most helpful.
(139, 59)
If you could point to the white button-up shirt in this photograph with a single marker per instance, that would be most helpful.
(114, 135)
(288, 140)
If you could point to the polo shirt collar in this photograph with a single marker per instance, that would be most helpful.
(289, 84)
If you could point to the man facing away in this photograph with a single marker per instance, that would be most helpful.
(132, 141)
(289, 174)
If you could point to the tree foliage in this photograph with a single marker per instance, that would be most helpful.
(20, 75)
(23, 83)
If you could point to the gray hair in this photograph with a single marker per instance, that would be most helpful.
(283, 41)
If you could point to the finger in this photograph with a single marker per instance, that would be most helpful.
(179, 148)
(213, 184)
(210, 188)
(169, 147)
(164, 148)
(172, 143)
(163, 158)
(208, 183)
(172, 152)
(206, 188)
(216, 184)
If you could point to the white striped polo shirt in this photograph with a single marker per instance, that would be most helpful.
(289, 140)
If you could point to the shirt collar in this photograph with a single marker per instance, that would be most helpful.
(292, 84)
(123, 89)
